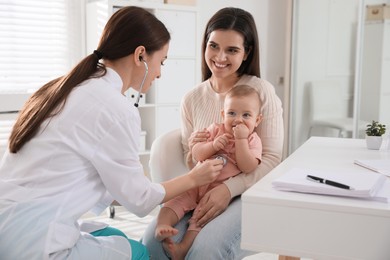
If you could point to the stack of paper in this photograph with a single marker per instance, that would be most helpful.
(366, 185)
(376, 165)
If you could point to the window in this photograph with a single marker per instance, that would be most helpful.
(40, 40)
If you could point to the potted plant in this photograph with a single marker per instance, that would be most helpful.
(374, 133)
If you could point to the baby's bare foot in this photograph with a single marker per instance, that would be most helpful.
(176, 251)
(164, 231)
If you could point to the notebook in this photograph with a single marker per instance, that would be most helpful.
(366, 185)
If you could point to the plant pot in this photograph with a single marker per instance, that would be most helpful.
(374, 142)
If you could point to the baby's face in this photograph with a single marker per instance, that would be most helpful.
(241, 110)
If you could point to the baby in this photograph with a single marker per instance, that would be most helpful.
(236, 142)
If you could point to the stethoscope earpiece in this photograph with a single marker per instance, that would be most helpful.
(143, 81)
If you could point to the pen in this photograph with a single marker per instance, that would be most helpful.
(328, 182)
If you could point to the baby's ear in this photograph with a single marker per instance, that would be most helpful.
(259, 119)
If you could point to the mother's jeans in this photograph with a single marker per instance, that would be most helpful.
(219, 239)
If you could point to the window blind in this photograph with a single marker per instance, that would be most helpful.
(35, 41)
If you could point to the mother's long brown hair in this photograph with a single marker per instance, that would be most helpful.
(127, 29)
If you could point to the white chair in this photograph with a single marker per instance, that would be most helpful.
(327, 110)
(166, 160)
(167, 157)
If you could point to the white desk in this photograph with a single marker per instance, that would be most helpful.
(317, 226)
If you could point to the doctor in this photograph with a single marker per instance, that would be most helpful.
(75, 145)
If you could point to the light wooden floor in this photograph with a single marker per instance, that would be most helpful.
(134, 227)
(125, 221)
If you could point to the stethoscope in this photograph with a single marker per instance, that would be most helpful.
(142, 83)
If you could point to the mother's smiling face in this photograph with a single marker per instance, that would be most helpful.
(225, 52)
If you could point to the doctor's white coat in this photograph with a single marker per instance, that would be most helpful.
(79, 158)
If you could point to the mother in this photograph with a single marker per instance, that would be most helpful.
(230, 57)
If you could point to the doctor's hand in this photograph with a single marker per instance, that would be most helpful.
(207, 171)
(213, 203)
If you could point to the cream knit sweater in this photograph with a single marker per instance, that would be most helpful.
(202, 106)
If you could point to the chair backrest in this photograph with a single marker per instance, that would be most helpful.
(326, 99)
(167, 157)
(10, 104)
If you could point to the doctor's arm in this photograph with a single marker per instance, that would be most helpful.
(203, 173)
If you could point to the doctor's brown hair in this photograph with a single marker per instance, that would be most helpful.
(241, 21)
(127, 29)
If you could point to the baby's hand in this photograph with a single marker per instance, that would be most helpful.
(221, 141)
(241, 131)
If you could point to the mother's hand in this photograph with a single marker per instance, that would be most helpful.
(213, 203)
(198, 136)
(195, 137)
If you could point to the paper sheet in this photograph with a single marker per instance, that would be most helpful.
(365, 185)
(376, 165)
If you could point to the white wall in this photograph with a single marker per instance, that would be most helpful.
(270, 17)
(323, 48)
